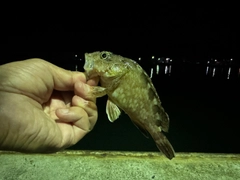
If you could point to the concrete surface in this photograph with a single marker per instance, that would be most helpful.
(93, 165)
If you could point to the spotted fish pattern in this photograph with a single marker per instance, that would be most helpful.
(129, 89)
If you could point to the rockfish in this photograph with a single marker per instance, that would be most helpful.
(130, 89)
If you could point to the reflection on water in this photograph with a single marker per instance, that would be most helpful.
(229, 71)
(151, 73)
(154, 66)
(211, 69)
(167, 70)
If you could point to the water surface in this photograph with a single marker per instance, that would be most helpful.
(202, 102)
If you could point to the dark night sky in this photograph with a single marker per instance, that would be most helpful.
(170, 31)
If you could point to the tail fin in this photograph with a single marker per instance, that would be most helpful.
(164, 145)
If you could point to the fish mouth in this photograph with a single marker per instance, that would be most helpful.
(90, 75)
(89, 67)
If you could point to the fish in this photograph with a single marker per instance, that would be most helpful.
(129, 89)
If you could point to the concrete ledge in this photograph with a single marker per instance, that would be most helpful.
(87, 165)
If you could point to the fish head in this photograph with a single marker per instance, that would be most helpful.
(104, 64)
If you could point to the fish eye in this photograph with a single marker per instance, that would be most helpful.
(105, 56)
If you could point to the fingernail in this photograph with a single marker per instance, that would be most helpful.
(83, 103)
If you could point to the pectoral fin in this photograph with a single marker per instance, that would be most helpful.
(113, 112)
(98, 91)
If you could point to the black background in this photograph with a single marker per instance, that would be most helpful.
(203, 112)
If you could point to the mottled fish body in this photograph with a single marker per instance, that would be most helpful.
(129, 88)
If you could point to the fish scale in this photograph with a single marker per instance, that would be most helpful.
(130, 89)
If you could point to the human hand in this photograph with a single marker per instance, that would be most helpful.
(44, 108)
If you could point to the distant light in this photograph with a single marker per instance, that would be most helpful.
(159, 59)
(213, 74)
(167, 59)
(75, 55)
(153, 57)
(151, 74)
(231, 59)
(207, 70)
(170, 60)
(229, 72)
(166, 69)
(215, 60)
(208, 62)
(139, 58)
(157, 69)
